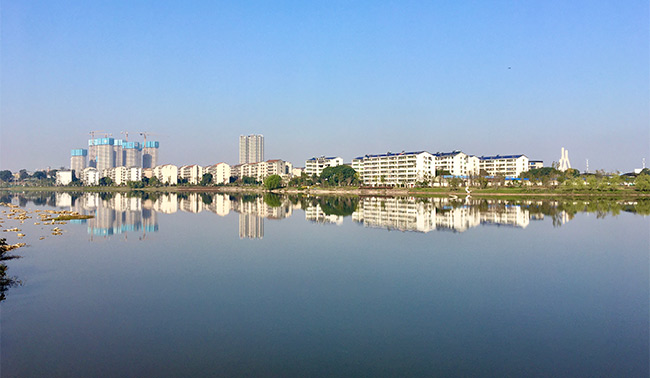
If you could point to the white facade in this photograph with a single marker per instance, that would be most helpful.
(192, 173)
(457, 163)
(262, 169)
(90, 176)
(63, 177)
(122, 175)
(315, 165)
(220, 173)
(535, 164)
(395, 169)
(251, 148)
(166, 174)
(508, 165)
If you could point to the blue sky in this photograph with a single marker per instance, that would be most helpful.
(336, 78)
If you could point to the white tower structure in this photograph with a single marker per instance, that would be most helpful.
(251, 148)
(564, 163)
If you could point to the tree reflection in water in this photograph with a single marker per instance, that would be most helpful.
(6, 282)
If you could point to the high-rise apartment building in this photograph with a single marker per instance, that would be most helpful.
(251, 148)
(105, 153)
(132, 154)
(78, 160)
(150, 154)
(119, 152)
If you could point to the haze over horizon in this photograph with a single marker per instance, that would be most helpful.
(338, 79)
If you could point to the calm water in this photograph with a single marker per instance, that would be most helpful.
(214, 285)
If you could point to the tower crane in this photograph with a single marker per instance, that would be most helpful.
(145, 133)
(126, 135)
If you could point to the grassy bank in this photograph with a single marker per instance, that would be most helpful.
(426, 192)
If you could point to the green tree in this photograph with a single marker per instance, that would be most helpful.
(39, 175)
(642, 183)
(154, 181)
(339, 175)
(135, 184)
(273, 182)
(206, 179)
(246, 180)
(23, 174)
(105, 181)
(6, 176)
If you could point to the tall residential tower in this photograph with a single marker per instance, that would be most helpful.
(78, 159)
(251, 148)
(150, 154)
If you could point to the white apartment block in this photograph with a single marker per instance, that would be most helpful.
(63, 177)
(220, 173)
(262, 169)
(457, 163)
(508, 165)
(166, 174)
(395, 169)
(192, 173)
(122, 175)
(90, 176)
(315, 165)
(535, 164)
(278, 167)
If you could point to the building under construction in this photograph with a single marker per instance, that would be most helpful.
(150, 154)
(78, 161)
(107, 152)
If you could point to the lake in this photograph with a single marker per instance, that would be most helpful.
(229, 285)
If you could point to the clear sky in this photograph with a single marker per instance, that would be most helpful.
(342, 78)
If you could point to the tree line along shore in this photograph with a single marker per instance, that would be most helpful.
(344, 180)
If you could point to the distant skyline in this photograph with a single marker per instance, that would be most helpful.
(337, 78)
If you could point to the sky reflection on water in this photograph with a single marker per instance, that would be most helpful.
(161, 286)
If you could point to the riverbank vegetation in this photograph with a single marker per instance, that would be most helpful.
(342, 179)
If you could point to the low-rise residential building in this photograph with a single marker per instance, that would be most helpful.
(297, 171)
(395, 169)
(166, 174)
(535, 164)
(192, 173)
(262, 169)
(315, 165)
(507, 165)
(457, 163)
(90, 176)
(64, 177)
(220, 173)
(122, 175)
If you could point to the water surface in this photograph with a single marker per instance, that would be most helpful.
(205, 285)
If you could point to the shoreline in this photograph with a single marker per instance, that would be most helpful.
(341, 191)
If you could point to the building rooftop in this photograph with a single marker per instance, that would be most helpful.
(391, 154)
(501, 157)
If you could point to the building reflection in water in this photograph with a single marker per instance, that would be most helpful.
(119, 213)
(425, 215)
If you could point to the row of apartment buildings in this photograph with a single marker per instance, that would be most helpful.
(171, 174)
(408, 168)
